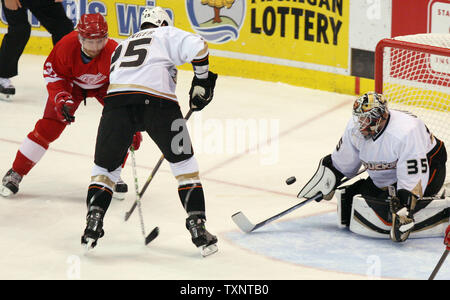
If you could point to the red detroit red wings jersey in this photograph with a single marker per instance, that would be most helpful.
(64, 68)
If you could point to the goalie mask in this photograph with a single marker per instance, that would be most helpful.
(92, 33)
(155, 16)
(370, 113)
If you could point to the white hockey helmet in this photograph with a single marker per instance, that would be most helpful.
(156, 16)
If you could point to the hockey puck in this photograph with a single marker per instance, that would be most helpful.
(291, 180)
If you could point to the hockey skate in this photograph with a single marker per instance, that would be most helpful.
(120, 190)
(202, 239)
(402, 221)
(10, 183)
(7, 90)
(94, 228)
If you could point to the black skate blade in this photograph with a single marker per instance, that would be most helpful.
(152, 235)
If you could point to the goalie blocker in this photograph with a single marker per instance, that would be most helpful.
(371, 214)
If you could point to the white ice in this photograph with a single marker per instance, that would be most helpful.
(41, 226)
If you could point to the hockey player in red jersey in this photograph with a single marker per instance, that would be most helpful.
(77, 68)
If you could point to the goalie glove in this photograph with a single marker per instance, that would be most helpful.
(202, 91)
(324, 181)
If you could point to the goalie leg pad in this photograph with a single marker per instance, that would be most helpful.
(365, 221)
(370, 217)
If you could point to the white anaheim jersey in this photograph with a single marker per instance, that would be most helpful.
(147, 60)
(397, 154)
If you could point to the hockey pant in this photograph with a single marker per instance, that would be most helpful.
(164, 123)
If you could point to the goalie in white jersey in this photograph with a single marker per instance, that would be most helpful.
(141, 97)
(405, 163)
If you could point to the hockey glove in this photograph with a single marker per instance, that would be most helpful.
(137, 139)
(202, 91)
(325, 181)
(447, 237)
(64, 106)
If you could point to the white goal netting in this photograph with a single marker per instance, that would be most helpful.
(415, 76)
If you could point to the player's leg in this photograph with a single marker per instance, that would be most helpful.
(52, 16)
(372, 217)
(33, 148)
(114, 137)
(345, 195)
(168, 130)
(400, 213)
(121, 188)
(13, 44)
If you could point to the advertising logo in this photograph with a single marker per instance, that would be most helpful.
(216, 21)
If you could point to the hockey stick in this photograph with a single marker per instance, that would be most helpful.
(439, 264)
(246, 226)
(155, 169)
(154, 233)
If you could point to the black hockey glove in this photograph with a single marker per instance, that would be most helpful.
(202, 91)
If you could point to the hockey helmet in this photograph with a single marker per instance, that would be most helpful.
(156, 16)
(92, 26)
(370, 112)
(92, 33)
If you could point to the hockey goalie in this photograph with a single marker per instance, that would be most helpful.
(404, 193)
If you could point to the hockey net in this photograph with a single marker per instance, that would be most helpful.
(413, 72)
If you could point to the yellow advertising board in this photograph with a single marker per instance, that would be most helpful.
(300, 42)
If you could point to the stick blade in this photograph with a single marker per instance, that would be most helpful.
(243, 222)
(152, 235)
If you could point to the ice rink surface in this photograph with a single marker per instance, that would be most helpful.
(288, 129)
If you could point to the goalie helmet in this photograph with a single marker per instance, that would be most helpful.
(370, 112)
(156, 16)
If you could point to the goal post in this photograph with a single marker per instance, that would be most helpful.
(413, 73)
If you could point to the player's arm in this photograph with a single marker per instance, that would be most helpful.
(204, 81)
(56, 74)
(192, 48)
(412, 168)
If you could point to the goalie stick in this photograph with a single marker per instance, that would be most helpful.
(246, 226)
(155, 169)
